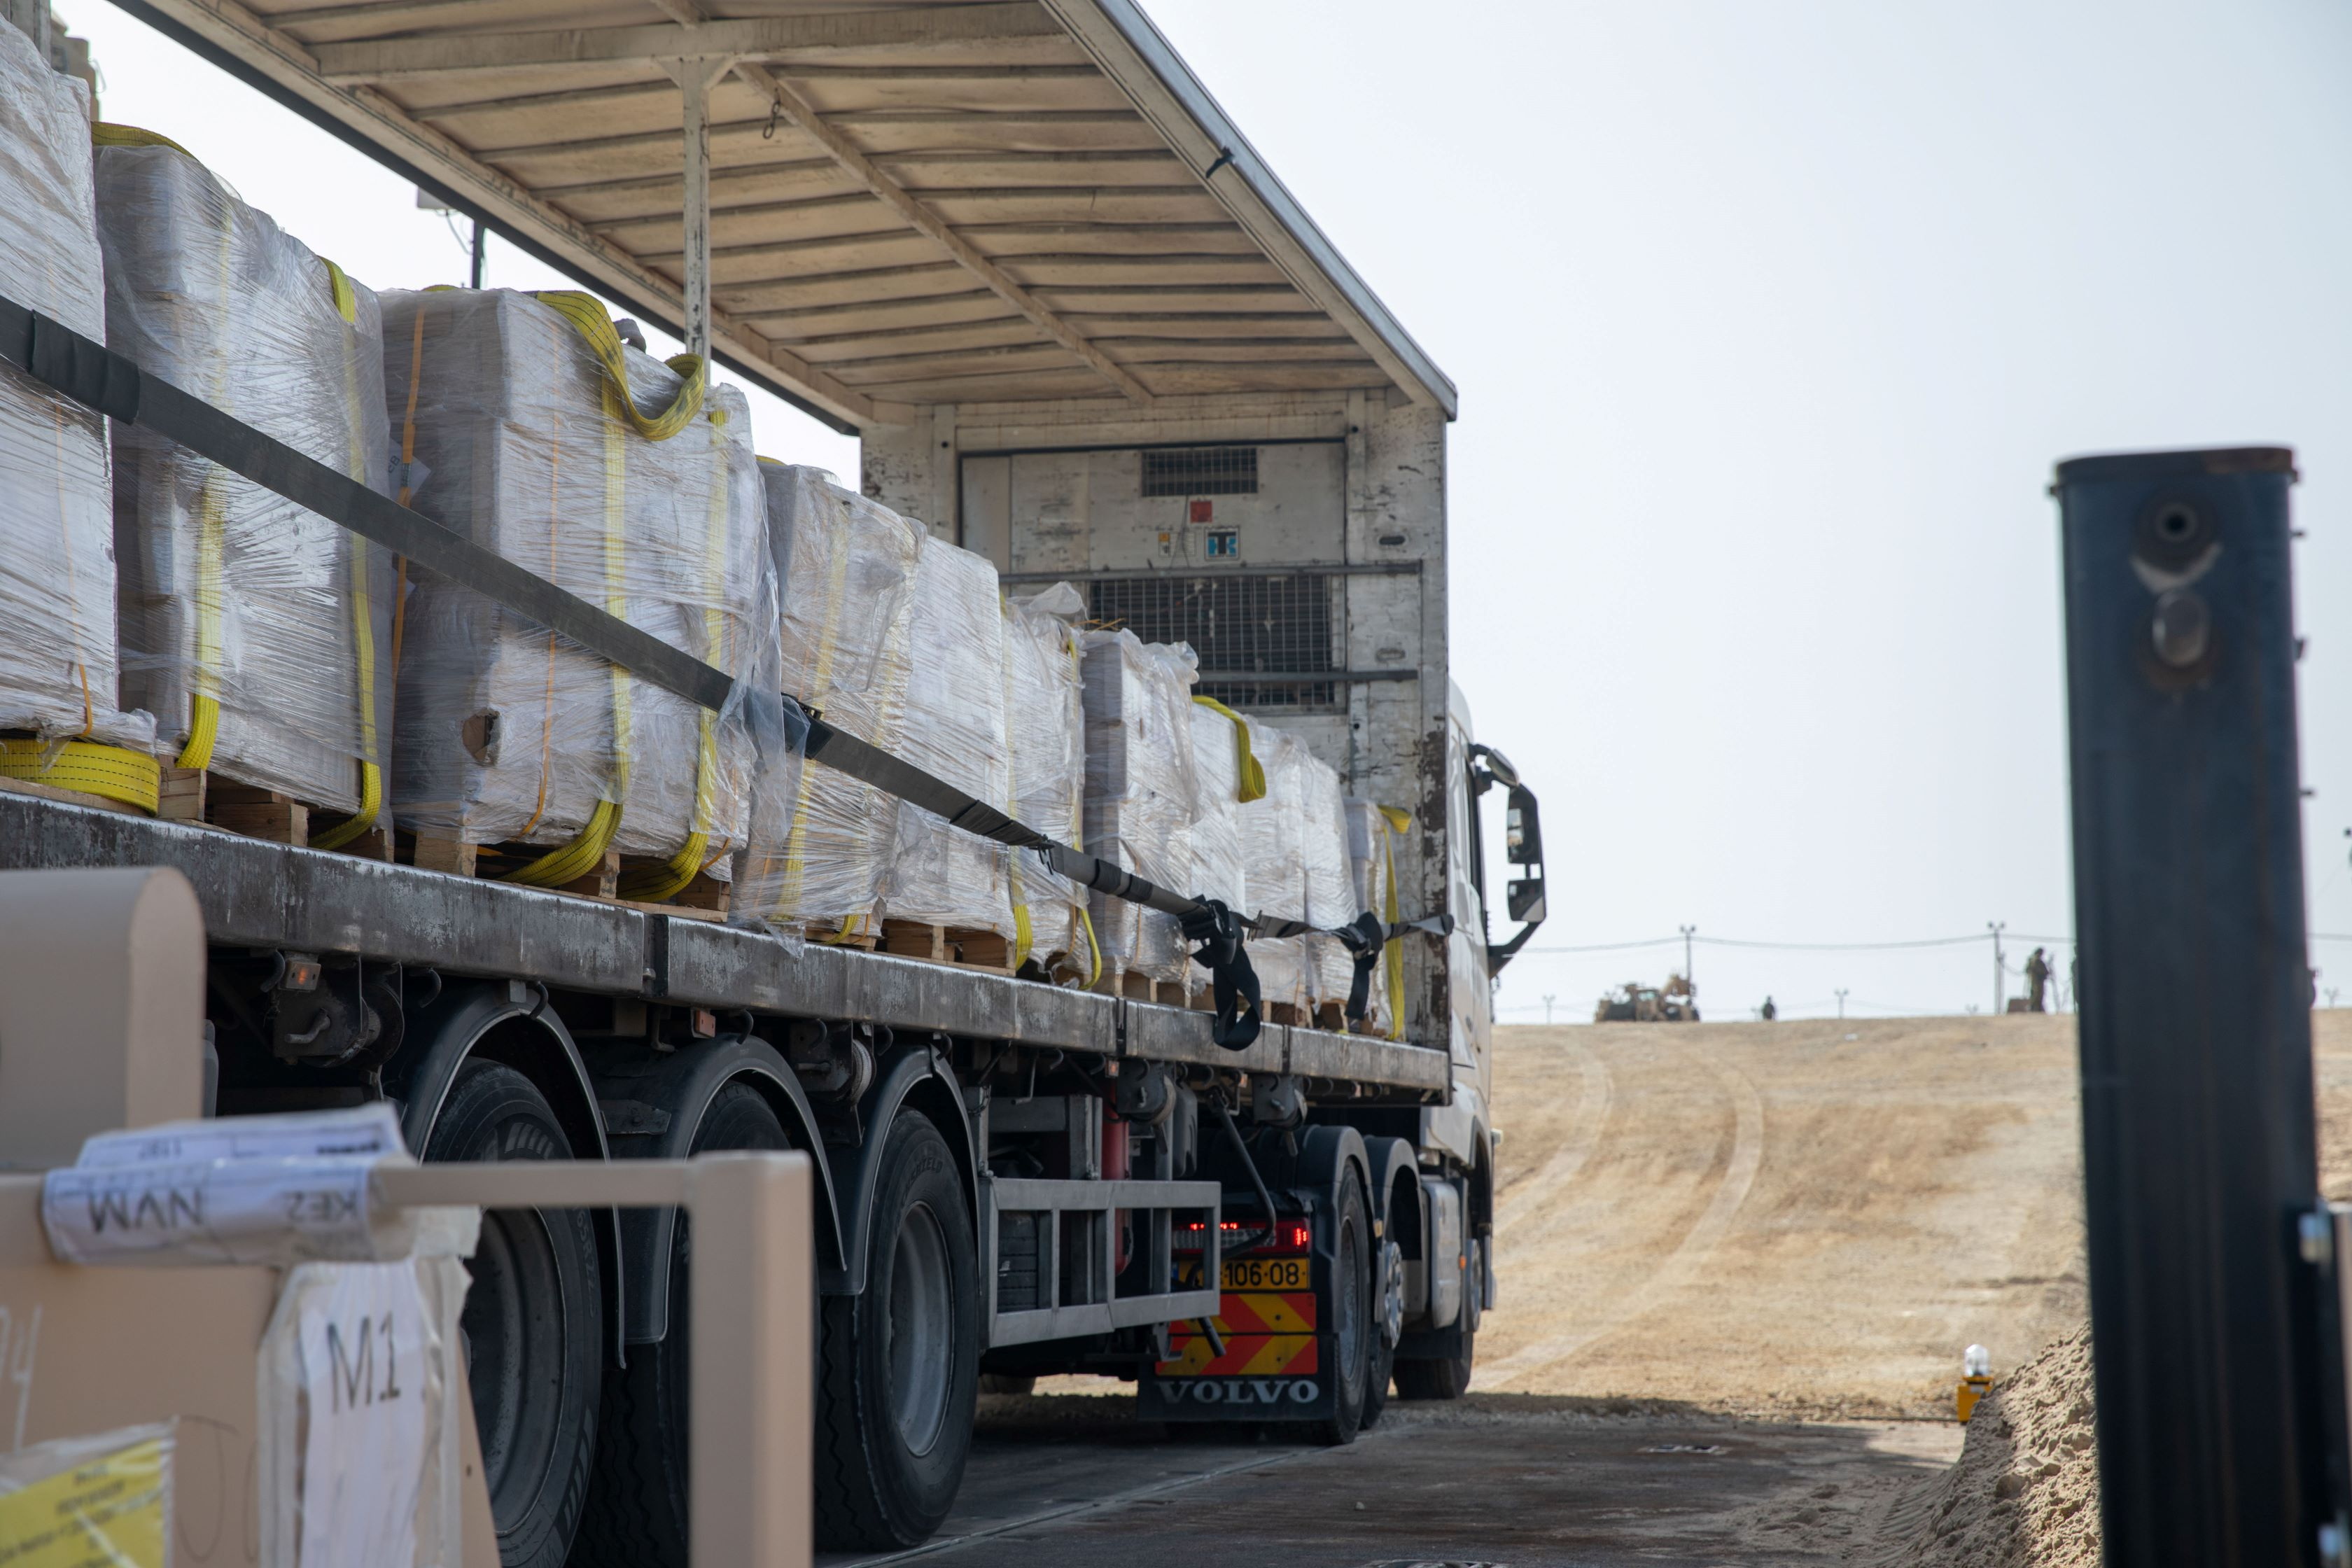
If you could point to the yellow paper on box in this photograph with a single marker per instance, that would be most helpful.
(108, 1513)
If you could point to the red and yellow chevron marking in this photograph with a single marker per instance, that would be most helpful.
(1290, 1312)
(1246, 1355)
(1265, 1335)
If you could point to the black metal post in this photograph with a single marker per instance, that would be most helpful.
(2198, 1137)
(479, 254)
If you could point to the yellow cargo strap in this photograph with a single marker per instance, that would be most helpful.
(659, 884)
(795, 878)
(1248, 769)
(1078, 839)
(112, 772)
(586, 850)
(347, 306)
(106, 133)
(588, 317)
(1392, 958)
(115, 772)
(211, 528)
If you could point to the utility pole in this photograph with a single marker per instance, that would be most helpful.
(1999, 973)
(1546, 1008)
(1688, 978)
(480, 252)
(1841, 996)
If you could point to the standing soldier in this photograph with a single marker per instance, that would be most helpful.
(1771, 1011)
(2037, 981)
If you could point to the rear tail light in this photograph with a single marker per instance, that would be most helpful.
(1290, 1236)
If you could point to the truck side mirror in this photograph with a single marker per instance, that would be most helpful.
(1523, 846)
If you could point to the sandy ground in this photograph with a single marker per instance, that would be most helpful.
(1806, 1220)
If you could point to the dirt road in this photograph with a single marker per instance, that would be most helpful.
(1797, 1219)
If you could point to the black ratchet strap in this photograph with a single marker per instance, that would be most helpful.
(1233, 979)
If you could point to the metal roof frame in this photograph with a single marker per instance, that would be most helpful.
(1001, 200)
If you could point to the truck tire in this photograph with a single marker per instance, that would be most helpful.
(899, 1369)
(637, 1514)
(1446, 1379)
(533, 1324)
(1388, 1325)
(1450, 1378)
(1353, 1330)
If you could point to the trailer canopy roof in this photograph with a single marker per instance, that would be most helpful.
(977, 200)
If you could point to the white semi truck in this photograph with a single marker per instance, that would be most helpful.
(1081, 330)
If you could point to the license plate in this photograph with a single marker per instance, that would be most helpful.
(1249, 1273)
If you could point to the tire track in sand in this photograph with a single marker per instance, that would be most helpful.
(1527, 1194)
(1678, 1265)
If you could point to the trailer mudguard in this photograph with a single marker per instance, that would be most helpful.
(460, 1022)
(682, 1085)
(1395, 1187)
(916, 1072)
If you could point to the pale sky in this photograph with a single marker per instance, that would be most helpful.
(1770, 322)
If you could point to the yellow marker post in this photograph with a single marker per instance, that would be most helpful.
(1976, 1380)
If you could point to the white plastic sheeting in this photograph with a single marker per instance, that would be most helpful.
(257, 632)
(1218, 738)
(1372, 851)
(59, 672)
(1140, 793)
(1274, 869)
(1047, 748)
(846, 565)
(509, 428)
(1330, 879)
(954, 730)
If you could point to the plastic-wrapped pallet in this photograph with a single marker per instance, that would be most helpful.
(1140, 789)
(59, 720)
(1273, 830)
(259, 633)
(847, 569)
(955, 731)
(1045, 734)
(1371, 848)
(1331, 880)
(1229, 775)
(522, 423)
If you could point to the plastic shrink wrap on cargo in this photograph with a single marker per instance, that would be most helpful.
(257, 632)
(954, 730)
(522, 423)
(1046, 745)
(59, 718)
(847, 569)
(1140, 789)
(1274, 872)
(1229, 775)
(1331, 880)
(1372, 832)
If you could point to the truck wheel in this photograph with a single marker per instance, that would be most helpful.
(901, 1361)
(533, 1324)
(1446, 1379)
(637, 1514)
(1352, 1327)
(1388, 1300)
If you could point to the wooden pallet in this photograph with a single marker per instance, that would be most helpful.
(1140, 987)
(205, 797)
(959, 946)
(703, 898)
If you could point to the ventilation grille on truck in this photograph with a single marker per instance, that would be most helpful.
(1201, 472)
(1275, 624)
